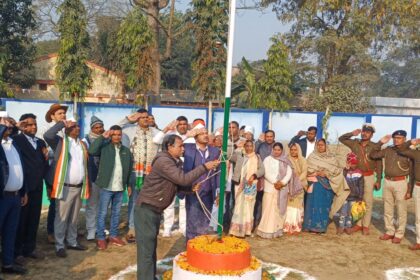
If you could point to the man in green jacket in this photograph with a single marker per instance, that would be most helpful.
(113, 177)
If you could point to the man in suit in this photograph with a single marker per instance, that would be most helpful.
(34, 155)
(12, 196)
(307, 144)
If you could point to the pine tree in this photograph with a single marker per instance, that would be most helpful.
(72, 73)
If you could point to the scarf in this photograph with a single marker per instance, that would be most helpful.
(92, 136)
(293, 187)
(62, 167)
(144, 151)
(300, 166)
(328, 163)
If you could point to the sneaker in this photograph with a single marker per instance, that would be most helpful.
(102, 245)
(14, 269)
(116, 241)
(61, 253)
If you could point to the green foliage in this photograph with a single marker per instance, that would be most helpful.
(271, 90)
(102, 43)
(275, 85)
(72, 73)
(47, 47)
(133, 47)
(209, 23)
(16, 46)
(400, 75)
(341, 38)
(338, 100)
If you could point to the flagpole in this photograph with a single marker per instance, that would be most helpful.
(232, 11)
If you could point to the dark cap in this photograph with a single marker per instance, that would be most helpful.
(368, 127)
(399, 133)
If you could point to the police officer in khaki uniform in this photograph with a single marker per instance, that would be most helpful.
(415, 155)
(362, 148)
(397, 190)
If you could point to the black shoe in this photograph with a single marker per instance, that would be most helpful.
(61, 253)
(35, 255)
(78, 247)
(14, 269)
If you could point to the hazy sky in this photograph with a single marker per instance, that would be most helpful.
(252, 31)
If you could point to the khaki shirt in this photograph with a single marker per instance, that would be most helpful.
(396, 164)
(366, 163)
(415, 156)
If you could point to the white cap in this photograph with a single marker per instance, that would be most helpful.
(3, 114)
(199, 126)
(218, 133)
(249, 129)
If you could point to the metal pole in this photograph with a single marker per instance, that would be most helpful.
(226, 115)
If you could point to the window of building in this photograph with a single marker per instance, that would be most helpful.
(43, 86)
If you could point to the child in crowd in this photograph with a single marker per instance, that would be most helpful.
(354, 178)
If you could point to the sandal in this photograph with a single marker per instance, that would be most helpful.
(130, 238)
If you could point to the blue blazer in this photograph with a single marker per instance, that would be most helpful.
(189, 160)
(4, 165)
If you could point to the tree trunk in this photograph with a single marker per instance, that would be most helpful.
(152, 16)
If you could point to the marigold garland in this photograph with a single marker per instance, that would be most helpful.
(227, 245)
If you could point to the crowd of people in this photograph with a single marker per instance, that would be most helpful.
(272, 189)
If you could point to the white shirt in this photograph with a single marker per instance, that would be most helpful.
(116, 184)
(75, 170)
(32, 141)
(272, 167)
(310, 147)
(15, 180)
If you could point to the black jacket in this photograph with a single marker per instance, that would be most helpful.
(4, 166)
(34, 161)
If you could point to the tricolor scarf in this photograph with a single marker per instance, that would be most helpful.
(144, 151)
(61, 171)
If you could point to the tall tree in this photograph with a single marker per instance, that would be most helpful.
(133, 51)
(275, 85)
(209, 22)
(72, 73)
(16, 46)
(152, 10)
(341, 36)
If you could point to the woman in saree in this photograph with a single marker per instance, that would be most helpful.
(327, 188)
(280, 183)
(248, 168)
(294, 213)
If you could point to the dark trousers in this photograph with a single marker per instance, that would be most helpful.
(9, 221)
(51, 211)
(258, 209)
(146, 222)
(227, 217)
(28, 223)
